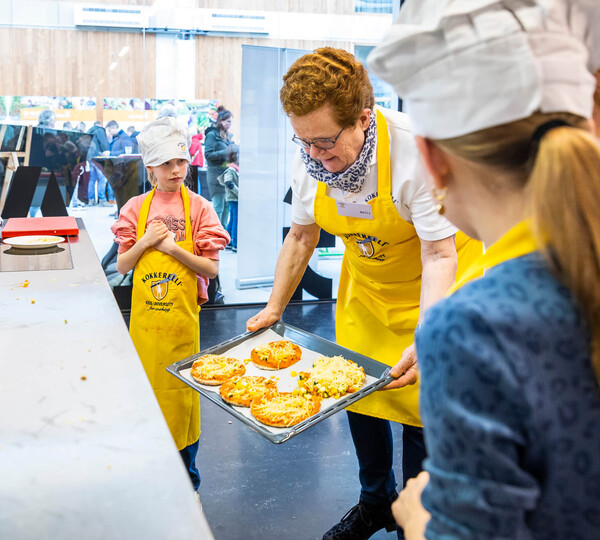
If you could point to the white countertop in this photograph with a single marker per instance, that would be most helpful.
(84, 449)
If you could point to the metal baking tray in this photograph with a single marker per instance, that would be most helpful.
(377, 373)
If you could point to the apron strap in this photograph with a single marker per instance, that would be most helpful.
(186, 209)
(383, 155)
(143, 217)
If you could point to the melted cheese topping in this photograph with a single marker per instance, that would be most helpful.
(284, 408)
(281, 348)
(216, 367)
(332, 376)
(242, 390)
(276, 354)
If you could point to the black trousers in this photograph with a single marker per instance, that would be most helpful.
(373, 442)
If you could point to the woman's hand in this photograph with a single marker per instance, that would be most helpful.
(406, 370)
(408, 510)
(262, 319)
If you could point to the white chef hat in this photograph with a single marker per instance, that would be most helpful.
(465, 65)
(164, 139)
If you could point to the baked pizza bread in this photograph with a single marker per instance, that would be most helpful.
(332, 376)
(276, 355)
(215, 369)
(241, 391)
(284, 409)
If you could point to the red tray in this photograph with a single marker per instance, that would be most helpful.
(60, 225)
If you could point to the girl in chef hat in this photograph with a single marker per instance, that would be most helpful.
(171, 237)
(499, 94)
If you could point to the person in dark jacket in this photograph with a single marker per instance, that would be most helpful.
(98, 147)
(120, 140)
(230, 179)
(218, 138)
(99, 143)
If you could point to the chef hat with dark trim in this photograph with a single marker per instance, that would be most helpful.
(465, 65)
(164, 139)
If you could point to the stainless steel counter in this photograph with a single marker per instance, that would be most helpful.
(84, 449)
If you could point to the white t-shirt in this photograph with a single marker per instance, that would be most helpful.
(410, 196)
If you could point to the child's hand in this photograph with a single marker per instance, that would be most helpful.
(155, 233)
(167, 244)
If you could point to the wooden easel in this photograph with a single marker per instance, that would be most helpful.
(13, 157)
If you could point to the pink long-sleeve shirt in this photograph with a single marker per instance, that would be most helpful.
(209, 235)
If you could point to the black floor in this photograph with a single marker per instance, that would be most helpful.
(253, 489)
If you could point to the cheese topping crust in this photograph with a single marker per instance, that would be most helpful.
(332, 376)
(242, 391)
(215, 369)
(284, 409)
(276, 355)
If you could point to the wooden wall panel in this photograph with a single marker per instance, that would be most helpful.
(76, 63)
(219, 65)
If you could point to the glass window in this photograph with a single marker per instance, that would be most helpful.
(91, 75)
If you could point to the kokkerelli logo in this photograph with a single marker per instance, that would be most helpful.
(163, 276)
(160, 289)
(366, 244)
(159, 283)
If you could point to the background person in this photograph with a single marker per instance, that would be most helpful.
(168, 109)
(510, 363)
(132, 132)
(196, 150)
(230, 179)
(173, 231)
(99, 146)
(399, 259)
(218, 138)
(119, 140)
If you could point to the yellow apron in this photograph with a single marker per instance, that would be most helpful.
(380, 284)
(164, 326)
(517, 242)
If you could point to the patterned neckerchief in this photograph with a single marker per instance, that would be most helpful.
(353, 178)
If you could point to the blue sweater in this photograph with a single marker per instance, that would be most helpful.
(511, 409)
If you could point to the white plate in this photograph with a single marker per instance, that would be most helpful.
(34, 242)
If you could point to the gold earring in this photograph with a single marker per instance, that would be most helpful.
(440, 197)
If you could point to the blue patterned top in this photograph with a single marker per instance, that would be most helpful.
(511, 410)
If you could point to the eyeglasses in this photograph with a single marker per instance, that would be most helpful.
(321, 144)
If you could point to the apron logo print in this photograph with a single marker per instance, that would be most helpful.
(160, 289)
(365, 246)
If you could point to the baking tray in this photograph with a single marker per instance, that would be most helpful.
(378, 376)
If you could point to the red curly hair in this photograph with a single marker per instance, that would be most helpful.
(327, 75)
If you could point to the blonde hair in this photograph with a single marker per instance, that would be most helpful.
(327, 75)
(563, 185)
(152, 179)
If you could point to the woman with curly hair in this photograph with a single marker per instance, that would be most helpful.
(357, 175)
